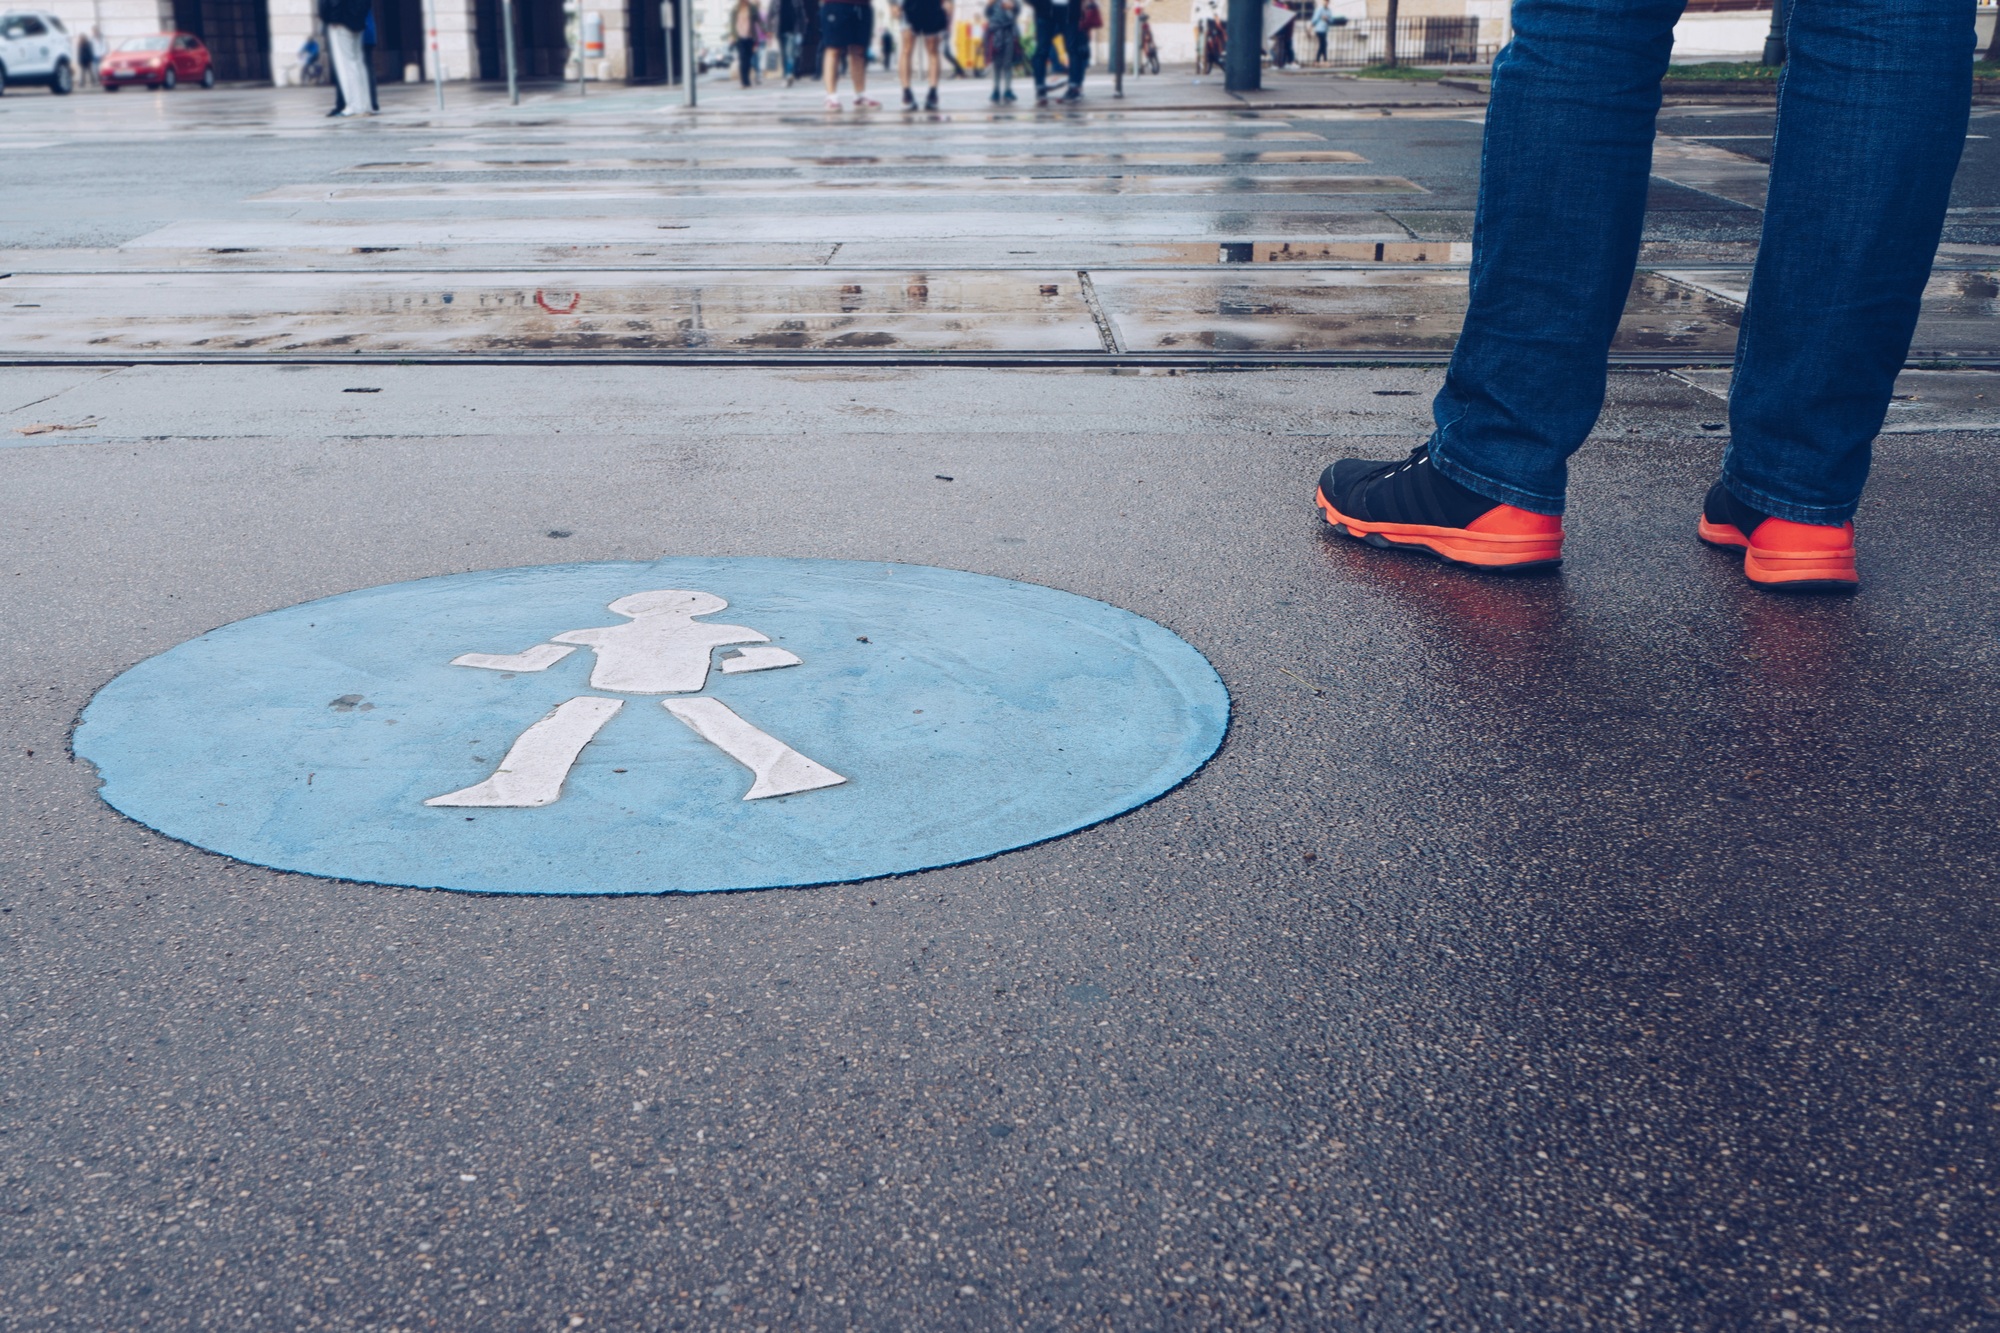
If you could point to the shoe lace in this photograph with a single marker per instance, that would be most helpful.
(1418, 457)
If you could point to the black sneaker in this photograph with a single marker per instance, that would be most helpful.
(930, 100)
(1075, 94)
(1778, 553)
(1410, 504)
(909, 100)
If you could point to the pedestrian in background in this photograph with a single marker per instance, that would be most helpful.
(367, 64)
(1322, 24)
(1871, 120)
(1090, 19)
(746, 27)
(844, 30)
(1003, 46)
(311, 68)
(924, 21)
(344, 21)
(89, 50)
(1075, 44)
(790, 20)
(1283, 55)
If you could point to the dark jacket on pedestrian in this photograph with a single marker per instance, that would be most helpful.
(351, 14)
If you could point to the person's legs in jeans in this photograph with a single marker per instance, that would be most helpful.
(1045, 40)
(1076, 45)
(1872, 116)
(1562, 196)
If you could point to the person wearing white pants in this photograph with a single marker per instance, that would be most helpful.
(349, 61)
(349, 69)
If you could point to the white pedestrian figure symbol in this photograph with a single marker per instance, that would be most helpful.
(662, 649)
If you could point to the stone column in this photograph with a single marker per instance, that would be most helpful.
(616, 66)
(292, 22)
(458, 38)
(113, 19)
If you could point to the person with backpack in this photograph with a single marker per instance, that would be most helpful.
(789, 17)
(1090, 19)
(1003, 46)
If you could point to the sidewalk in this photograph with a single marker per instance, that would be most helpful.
(1173, 89)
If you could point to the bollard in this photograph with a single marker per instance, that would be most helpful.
(1774, 44)
(1243, 47)
(513, 78)
(688, 70)
(1117, 48)
(437, 57)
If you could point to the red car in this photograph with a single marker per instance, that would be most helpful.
(158, 62)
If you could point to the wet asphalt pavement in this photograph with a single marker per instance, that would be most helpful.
(1599, 950)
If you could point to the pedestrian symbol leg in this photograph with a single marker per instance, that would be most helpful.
(533, 770)
(780, 770)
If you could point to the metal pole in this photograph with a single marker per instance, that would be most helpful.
(1243, 47)
(581, 62)
(1774, 45)
(667, 40)
(688, 49)
(437, 60)
(1117, 48)
(1394, 19)
(513, 76)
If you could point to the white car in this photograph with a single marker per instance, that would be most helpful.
(35, 48)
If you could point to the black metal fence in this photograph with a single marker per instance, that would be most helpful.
(1429, 40)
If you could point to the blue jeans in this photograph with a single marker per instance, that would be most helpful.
(1872, 112)
(1065, 20)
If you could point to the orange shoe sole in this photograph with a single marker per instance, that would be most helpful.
(1535, 541)
(1829, 569)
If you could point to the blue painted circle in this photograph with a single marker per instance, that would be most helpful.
(969, 714)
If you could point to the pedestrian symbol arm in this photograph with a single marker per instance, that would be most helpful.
(761, 657)
(538, 658)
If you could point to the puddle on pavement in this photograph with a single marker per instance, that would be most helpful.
(387, 192)
(1402, 310)
(1391, 309)
(1343, 251)
(307, 314)
(725, 161)
(917, 227)
(658, 252)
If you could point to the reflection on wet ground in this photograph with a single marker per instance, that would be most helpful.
(741, 162)
(1221, 309)
(1349, 310)
(844, 193)
(315, 314)
(1329, 232)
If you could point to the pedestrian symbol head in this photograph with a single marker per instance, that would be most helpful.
(668, 602)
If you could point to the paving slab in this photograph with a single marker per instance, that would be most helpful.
(1578, 914)
(1604, 949)
(272, 314)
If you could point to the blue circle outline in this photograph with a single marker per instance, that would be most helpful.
(1203, 700)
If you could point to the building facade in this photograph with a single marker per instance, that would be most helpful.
(260, 40)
